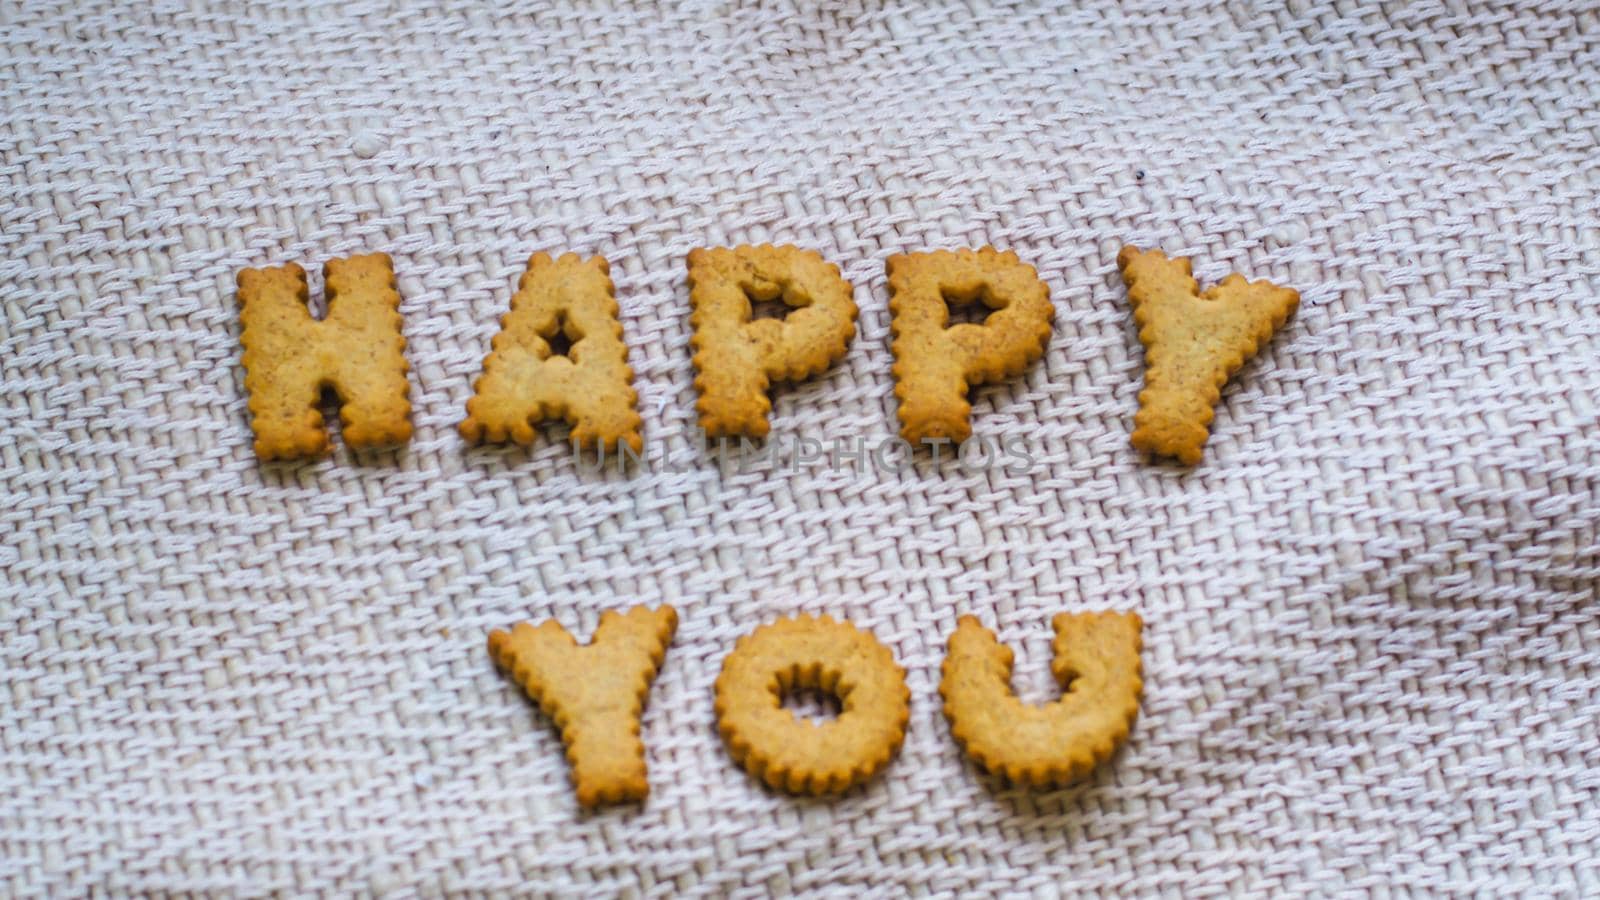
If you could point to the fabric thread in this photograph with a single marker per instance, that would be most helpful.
(1372, 650)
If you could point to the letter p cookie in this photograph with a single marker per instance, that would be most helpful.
(736, 358)
(935, 362)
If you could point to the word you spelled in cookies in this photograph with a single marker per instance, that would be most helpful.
(595, 693)
(560, 353)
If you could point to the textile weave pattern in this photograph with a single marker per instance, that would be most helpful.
(1372, 650)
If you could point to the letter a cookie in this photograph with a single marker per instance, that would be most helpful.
(595, 693)
(357, 349)
(934, 362)
(737, 359)
(1193, 343)
(525, 383)
(1097, 665)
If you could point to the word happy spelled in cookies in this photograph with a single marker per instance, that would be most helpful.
(560, 352)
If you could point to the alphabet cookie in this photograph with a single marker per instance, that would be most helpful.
(1193, 343)
(736, 358)
(357, 349)
(595, 693)
(935, 362)
(1097, 665)
(794, 754)
(524, 382)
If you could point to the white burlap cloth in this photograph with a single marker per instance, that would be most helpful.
(1373, 647)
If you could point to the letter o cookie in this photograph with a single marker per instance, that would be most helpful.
(796, 755)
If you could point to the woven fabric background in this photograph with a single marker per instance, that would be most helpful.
(1372, 643)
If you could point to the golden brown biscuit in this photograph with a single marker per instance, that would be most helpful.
(1193, 343)
(794, 754)
(523, 384)
(1097, 665)
(594, 692)
(357, 349)
(736, 358)
(935, 363)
